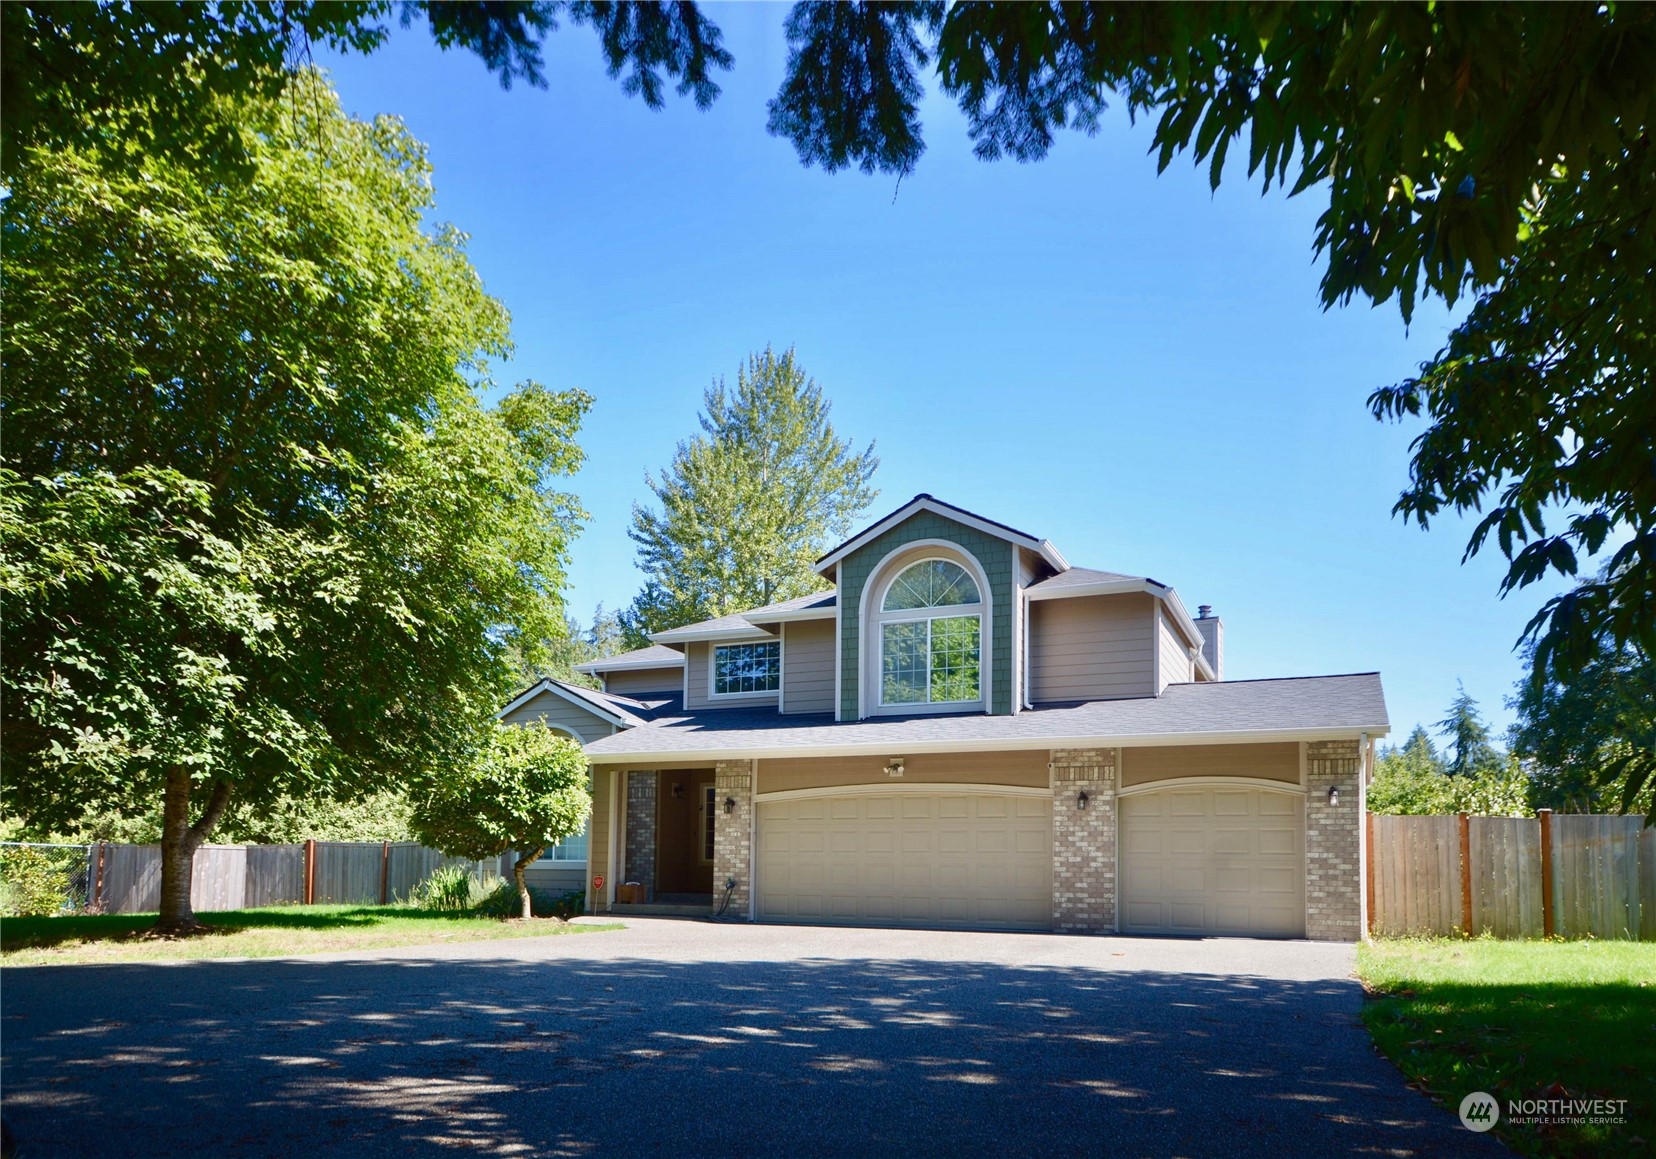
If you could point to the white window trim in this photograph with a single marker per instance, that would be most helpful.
(869, 621)
(713, 667)
(955, 612)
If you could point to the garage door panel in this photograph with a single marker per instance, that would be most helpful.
(1213, 860)
(962, 859)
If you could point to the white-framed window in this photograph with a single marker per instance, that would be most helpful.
(747, 668)
(572, 848)
(930, 630)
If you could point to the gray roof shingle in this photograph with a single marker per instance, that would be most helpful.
(658, 655)
(1235, 709)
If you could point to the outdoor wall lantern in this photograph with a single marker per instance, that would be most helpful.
(730, 804)
(894, 768)
(1333, 796)
(1081, 801)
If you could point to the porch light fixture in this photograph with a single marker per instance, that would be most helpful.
(1081, 800)
(1333, 796)
(730, 804)
(894, 768)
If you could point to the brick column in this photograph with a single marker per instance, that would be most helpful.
(733, 835)
(1333, 837)
(640, 848)
(1083, 841)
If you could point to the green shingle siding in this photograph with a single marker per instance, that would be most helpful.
(992, 555)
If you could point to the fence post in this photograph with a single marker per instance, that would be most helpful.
(385, 873)
(1368, 862)
(310, 871)
(1548, 920)
(98, 882)
(1466, 873)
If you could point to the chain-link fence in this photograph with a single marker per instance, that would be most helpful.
(40, 880)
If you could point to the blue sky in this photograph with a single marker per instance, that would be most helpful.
(1126, 364)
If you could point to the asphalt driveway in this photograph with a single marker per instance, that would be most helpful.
(685, 1038)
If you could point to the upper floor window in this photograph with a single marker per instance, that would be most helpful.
(747, 668)
(931, 631)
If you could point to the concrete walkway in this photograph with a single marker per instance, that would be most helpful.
(686, 1038)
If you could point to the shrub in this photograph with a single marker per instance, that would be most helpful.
(451, 889)
(33, 883)
(569, 905)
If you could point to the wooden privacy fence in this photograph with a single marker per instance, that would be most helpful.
(1569, 875)
(127, 878)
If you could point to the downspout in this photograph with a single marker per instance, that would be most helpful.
(1028, 681)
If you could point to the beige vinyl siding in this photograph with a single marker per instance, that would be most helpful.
(1028, 768)
(699, 659)
(1091, 648)
(808, 666)
(1272, 762)
(560, 713)
(598, 838)
(631, 682)
(1176, 666)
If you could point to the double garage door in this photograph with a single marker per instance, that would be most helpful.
(1196, 860)
(974, 860)
(1212, 861)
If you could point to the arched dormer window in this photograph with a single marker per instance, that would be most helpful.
(930, 625)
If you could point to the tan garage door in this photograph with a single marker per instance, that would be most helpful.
(1213, 861)
(975, 860)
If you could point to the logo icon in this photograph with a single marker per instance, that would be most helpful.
(1479, 1111)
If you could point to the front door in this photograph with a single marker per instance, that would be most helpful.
(684, 824)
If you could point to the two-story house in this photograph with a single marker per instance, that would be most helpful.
(967, 730)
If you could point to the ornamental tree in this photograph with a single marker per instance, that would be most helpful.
(260, 539)
(527, 790)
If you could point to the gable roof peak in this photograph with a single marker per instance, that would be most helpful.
(925, 501)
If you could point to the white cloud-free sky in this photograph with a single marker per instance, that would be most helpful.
(1129, 365)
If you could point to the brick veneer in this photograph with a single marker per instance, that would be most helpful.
(733, 835)
(1333, 881)
(1083, 840)
(640, 861)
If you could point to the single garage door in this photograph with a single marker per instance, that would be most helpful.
(979, 860)
(1213, 861)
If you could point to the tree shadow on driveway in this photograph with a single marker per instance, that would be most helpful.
(637, 1057)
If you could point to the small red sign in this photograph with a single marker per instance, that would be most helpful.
(597, 883)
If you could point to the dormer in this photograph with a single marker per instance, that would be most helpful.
(930, 615)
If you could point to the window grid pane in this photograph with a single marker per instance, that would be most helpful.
(747, 668)
(931, 583)
(572, 848)
(936, 661)
(954, 659)
(903, 663)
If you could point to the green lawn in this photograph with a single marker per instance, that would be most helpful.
(1523, 1020)
(256, 933)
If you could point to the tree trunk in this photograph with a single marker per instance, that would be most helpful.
(524, 861)
(179, 842)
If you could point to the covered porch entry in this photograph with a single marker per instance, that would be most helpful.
(668, 823)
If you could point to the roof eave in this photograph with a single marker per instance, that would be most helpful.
(974, 744)
(593, 667)
(825, 564)
(685, 636)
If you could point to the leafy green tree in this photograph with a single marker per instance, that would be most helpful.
(1410, 779)
(528, 790)
(148, 74)
(260, 540)
(1491, 150)
(750, 503)
(1590, 738)
(1468, 736)
(1414, 779)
